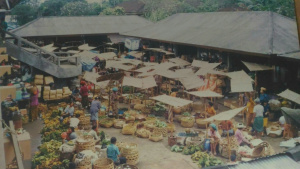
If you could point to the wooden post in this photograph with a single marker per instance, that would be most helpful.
(2, 153)
(16, 145)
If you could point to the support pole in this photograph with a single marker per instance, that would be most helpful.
(2, 153)
(16, 145)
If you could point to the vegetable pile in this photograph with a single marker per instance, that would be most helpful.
(160, 124)
(205, 160)
(177, 148)
(191, 149)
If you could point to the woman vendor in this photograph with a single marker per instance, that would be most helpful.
(250, 107)
(34, 102)
(210, 110)
(214, 136)
(240, 136)
(95, 107)
(258, 123)
(226, 126)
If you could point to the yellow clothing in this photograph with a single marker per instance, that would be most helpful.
(250, 105)
(173, 94)
(211, 111)
(266, 122)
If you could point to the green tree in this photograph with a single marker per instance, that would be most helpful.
(113, 11)
(53, 7)
(24, 13)
(78, 8)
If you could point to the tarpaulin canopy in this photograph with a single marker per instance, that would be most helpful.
(172, 101)
(85, 47)
(118, 65)
(241, 86)
(180, 73)
(292, 116)
(73, 51)
(227, 115)
(117, 38)
(92, 77)
(91, 55)
(160, 51)
(203, 72)
(145, 69)
(206, 93)
(150, 63)
(159, 68)
(204, 65)
(290, 95)
(49, 48)
(191, 82)
(256, 67)
(130, 61)
(240, 75)
(142, 83)
(179, 61)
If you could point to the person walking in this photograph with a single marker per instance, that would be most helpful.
(84, 95)
(95, 107)
(258, 121)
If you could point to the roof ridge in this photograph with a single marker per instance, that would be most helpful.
(272, 33)
(25, 25)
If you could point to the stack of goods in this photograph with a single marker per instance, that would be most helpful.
(52, 94)
(46, 93)
(66, 92)
(84, 122)
(86, 142)
(205, 160)
(59, 93)
(131, 153)
(104, 163)
(48, 80)
(187, 122)
(161, 127)
(39, 79)
(106, 122)
(224, 147)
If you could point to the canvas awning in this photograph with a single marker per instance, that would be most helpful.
(117, 38)
(192, 82)
(160, 51)
(73, 51)
(136, 54)
(206, 93)
(4, 69)
(256, 67)
(118, 65)
(204, 72)
(290, 95)
(204, 65)
(49, 48)
(172, 101)
(144, 69)
(85, 47)
(227, 115)
(240, 75)
(142, 83)
(150, 63)
(179, 61)
(292, 116)
(159, 69)
(130, 61)
(92, 77)
(241, 86)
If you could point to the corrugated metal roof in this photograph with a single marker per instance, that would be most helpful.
(272, 162)
(253, 31)
(81, 25)
(291, 55)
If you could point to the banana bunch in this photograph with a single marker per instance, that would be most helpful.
(205, 160)
(199, 155)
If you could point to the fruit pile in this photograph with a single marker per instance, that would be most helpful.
(205, 160)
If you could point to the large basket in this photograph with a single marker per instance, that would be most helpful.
(163, 131)
(187, 122)
(202, 124)
(258, 151)
(129, 148)
(150, 125)
(156, 137)
(104, 163)
(143, 133)
(120, 145)
(85, 164)
(84, 120)
(106, 123)
(171, 127)
(85, 126)
(129, 119)
(87, 144)
(129, 129)
(118, 123)
(178, 118)
(177, 110)
(133, 158)
(127, 166)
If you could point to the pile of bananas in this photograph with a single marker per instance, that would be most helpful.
(205, 160)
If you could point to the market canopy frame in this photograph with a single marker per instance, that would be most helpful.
(86, 47)
(192, 82)
(172, 101)
(142, 83)
(227, 115)
(290, 95)
(91, 77)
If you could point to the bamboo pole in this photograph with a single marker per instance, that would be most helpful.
(2, 153)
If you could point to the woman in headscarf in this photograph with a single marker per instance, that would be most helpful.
(214, 136)
(95, 107)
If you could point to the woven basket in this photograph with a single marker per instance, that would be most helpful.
(171, 127)
(202, 124)
(150, 125)
(104, 163)
(85, 164)
(129, 119)
(132, 158)
(84, 120)
(85, 126)
(118, 123)
(156, 137)
(163, 131)
(129, 129)
(106, 123)
(258, 151)
(177, 110)
(178, 118)
(120, 145)
(187, 122)
(129, 148)
(89, 144)
(143, 133)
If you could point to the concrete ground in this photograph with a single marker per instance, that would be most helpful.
(153, 155)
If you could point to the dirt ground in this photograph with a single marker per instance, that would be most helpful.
(152, 155)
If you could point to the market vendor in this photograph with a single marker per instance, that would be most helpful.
(227, 128)
(214, 137)
(34, 102)
(114, 153)
(258, 123)
(266, 114)
(93, 133)
(69, 111)
(95, 107)
(282, 122)
(76, 91)
(74, 121)
(71, 134)
(210, 110)
(174, 92)
(114, 101)
(240, 136)
(263, 97)
(250, 107)
(84, 94)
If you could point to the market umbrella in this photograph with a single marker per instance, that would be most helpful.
(292, 116)
(227, 115)
(290, 95)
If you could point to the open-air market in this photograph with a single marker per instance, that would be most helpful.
(129, 84)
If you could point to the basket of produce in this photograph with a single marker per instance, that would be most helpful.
(187, 122)
(139, 107)
(129, 148)
(201, 123)
(106, 122)
(129, 118)
(129, 129)
(163, 131)
(127, 166)
(191, 149)
(83, 120)
(84, 164)
(156, 137)
(177, 110)
(143, 133)
(85, 126)
(176, 148)
(132, 158)
(120, 145)
(104, 163)
(118, 123)
(259, 151)
(150, 125)
(275, 105)
(178, 118)
(205, 160)
(171, 127)
(85, 143)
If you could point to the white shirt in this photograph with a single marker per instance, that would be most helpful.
(94, 134)
(282, 120)
(69, 110)
(259, 110)
(74, 122)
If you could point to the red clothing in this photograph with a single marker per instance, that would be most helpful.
(226, 125)
(84, 91)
